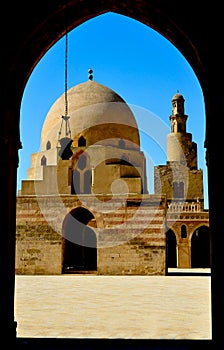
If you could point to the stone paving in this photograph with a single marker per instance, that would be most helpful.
(127, 307)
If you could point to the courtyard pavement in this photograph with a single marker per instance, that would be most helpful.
(124, 307)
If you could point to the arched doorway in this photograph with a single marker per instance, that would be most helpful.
(171, 250)
(79, 242)
(200, 248)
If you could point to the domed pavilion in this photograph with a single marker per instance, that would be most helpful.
(84, 206)
(98, 141)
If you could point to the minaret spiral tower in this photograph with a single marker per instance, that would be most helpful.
(180, 147)
(180, 179)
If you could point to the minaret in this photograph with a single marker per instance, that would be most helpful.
(178, 118)
(179, 179)
(180, 148)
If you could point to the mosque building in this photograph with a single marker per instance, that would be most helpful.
(85, 206)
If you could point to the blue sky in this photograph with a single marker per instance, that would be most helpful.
(138, 63)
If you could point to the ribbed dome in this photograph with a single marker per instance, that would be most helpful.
(96, 112)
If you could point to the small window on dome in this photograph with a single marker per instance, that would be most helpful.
(121, 143)
(48, 146)
(82, 142)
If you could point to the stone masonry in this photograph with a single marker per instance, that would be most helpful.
(130, 233)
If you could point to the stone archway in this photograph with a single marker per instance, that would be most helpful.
(79, 242)
(200, 248)
(171, 249)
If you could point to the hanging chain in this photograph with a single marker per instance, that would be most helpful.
(65, 118)
(66, 73)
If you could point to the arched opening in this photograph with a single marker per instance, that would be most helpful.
(161, 97)
(159, 23)
(48, 145)
(79, 242)
(80, 254)
(171, 249)
(200, 248)
(183, 231)
(82, 141)
(43, 161)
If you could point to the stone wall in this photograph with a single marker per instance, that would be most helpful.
(130, 233)
(166, 175)
(38, 246)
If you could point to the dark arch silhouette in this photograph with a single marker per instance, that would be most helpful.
(200, 248)
(185, 28)
(79, 242)
(183, 231)
(43, 161)
(48, 145)
(171, 249)
(81, 141)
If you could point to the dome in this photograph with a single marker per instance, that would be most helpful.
(178, 96)
(96, 113)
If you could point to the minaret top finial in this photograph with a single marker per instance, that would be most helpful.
(90, 76)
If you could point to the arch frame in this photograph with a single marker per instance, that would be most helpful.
(189, 29)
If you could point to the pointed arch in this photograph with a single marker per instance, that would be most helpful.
(79, 242)
(48, 145)
(200, 248)
(171, 249)
(183, 231)
(150, 13)
(43, 160)
(82, 141)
